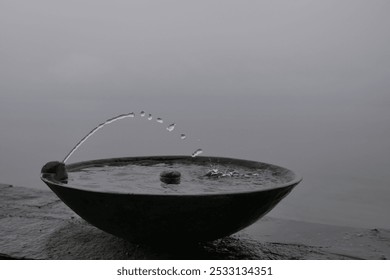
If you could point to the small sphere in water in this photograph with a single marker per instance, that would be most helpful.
(170, 177)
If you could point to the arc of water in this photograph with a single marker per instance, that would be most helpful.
(114, 119)
(111, 120)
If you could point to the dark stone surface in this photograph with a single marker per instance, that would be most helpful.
(57, 168)
(35, 224)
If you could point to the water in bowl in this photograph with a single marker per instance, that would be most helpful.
(143, 176)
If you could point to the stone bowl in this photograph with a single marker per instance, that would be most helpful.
(148, 218)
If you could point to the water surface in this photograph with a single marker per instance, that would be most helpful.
(143, 177)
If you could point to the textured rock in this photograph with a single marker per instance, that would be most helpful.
(35, 224)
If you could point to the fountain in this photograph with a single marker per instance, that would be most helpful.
(168, 198)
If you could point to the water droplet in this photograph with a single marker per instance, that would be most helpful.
(171, 127)
(150, 117)
(197, 152)
(183, 136)
(159, 120)
(132, 115)
(142, 113)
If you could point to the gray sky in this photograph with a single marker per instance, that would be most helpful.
(149, 47)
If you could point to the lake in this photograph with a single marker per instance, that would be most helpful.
(300, 85)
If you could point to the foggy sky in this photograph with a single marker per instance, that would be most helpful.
(257, 47)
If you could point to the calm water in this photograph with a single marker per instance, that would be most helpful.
(295, 83)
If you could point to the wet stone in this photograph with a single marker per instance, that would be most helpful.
(170, 177)
(49, 233)
(57, 168)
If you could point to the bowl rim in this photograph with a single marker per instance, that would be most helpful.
(49, 179)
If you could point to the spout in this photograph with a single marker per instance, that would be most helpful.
(57, 168)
